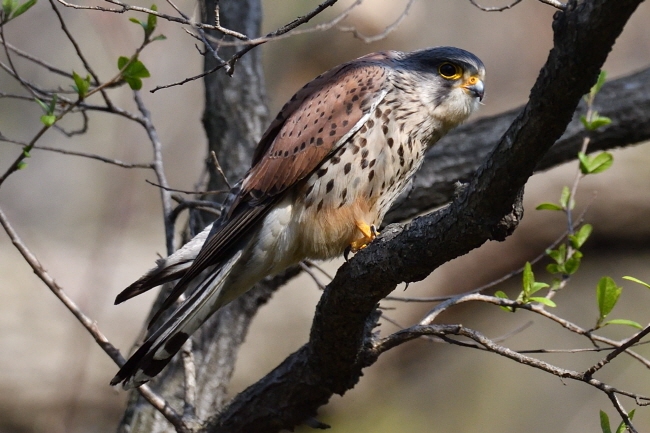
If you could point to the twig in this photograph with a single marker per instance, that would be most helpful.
(182, 191)
(230, 64)
(189, 368)
(215, 160)
(80, 53)
(495, 8)
(90, 325)
(442, 331)
(623, 347)
(158, 168)
(389, 29)
(307, 269)
(81, 154)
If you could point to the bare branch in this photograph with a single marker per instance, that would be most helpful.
(496, 8)
(88, 155)
(158, 168)
(230, 64)
(87, 323)
(389, 29)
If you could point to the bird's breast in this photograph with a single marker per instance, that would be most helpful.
(358, 182)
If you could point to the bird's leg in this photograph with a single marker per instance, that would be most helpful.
(369, 233)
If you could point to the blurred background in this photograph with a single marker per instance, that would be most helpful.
(97, 227)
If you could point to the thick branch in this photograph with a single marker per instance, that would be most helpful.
(459, 154)
(489, 208)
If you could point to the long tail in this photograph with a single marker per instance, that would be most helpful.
(168, 269)
(168, 339)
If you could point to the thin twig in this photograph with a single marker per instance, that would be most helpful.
(182, 191)
(215, 160)
(81, 154)
(230, 64)
(189, 368)
(307, 269)
(90, 325)
(158, 168)
(80, 54)
(495, 8)
(387, 30)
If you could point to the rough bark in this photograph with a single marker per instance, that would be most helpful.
(496, 167)
(458, 155)
(488, 208)
(234, 117)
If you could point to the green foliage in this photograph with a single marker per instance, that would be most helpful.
(529, 288)
(578, 239)
(13, 9)
(596, 164)
(149, 26)
(49, 118)
(636, 280)
(565, 204)
(607, 295)
(501, 294)
(81, 85)
(605, 426)
(132, 70)
(594, 121)
(567, 260)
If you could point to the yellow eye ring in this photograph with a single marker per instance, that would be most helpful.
(450, 71)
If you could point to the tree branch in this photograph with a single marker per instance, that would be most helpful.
(489, 208)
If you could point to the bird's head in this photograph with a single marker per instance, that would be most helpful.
(449, 80)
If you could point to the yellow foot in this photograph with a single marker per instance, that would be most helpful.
(369, 233)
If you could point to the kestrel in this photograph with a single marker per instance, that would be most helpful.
(322, 178)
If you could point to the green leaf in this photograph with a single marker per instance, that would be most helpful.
(584, 163)
(625, 322)
(134, 83)
(602, 77)
(48, 119)
(500, 294)
(548, 206)
(565, 196)
(528, 278)
(604, 423)
(573, 263)
(607, 293)
(8, 7)
(601, 162)
(43, 105)
(578, 239)
(543, 300)
(81, 84)
(636, 280)
(597, 164)
(132, 71)
(21, 165)
(556, 255)
(159, 38)
(137, 21)
(537, 286)
(23, 8)
(122, 62)
(151, 22)
(622, 428)
(598, 122)
(136, 69)
(553, 268)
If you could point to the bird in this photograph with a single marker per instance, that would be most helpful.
(322, 177)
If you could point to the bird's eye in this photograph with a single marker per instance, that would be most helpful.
(450, 71)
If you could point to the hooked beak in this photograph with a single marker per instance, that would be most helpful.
(474, 86)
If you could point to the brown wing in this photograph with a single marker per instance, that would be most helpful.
(310, 125)
(306, 130)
